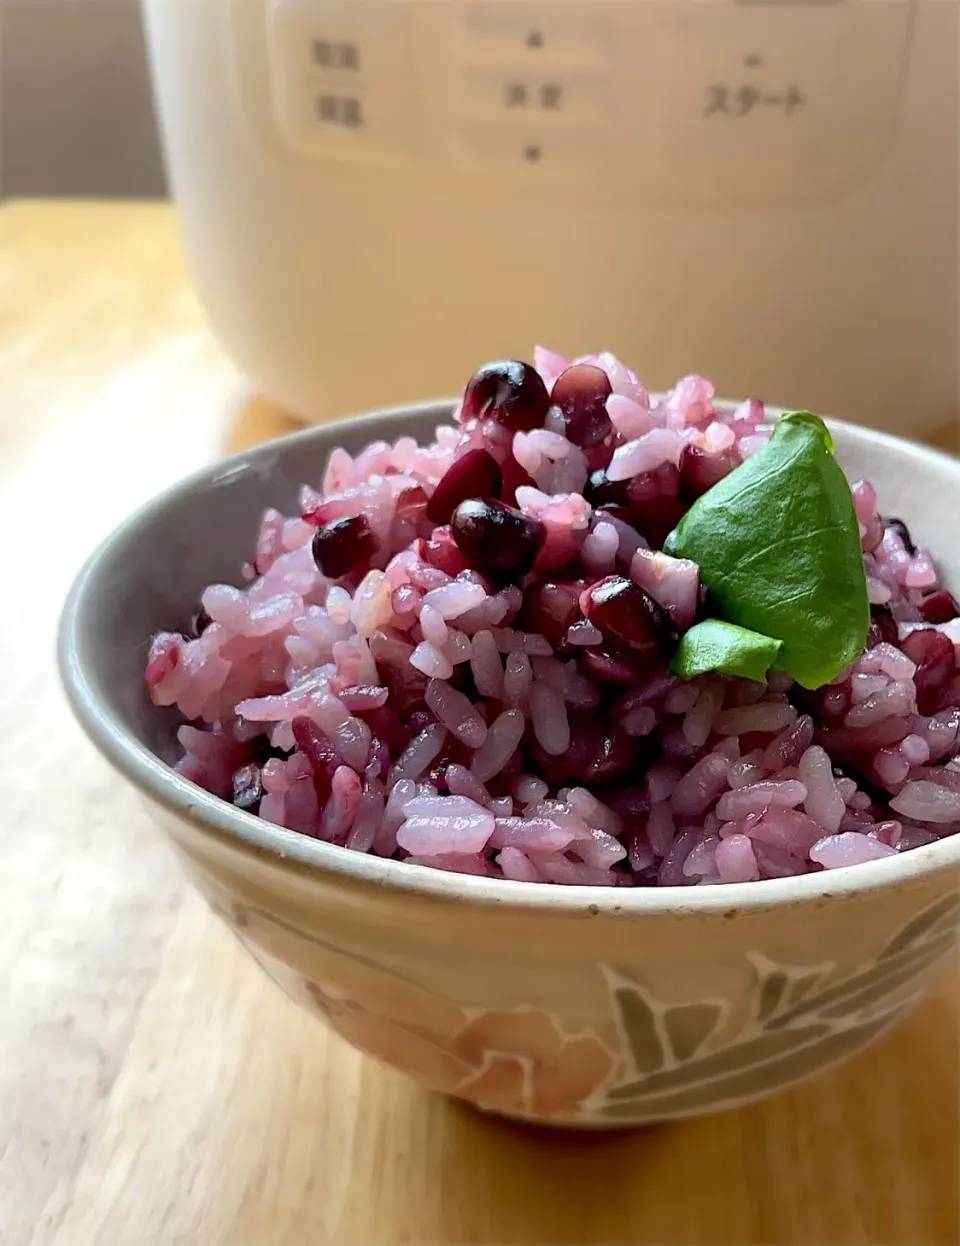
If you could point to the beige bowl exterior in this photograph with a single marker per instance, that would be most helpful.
(585, 1007)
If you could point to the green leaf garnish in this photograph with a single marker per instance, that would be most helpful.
(778, 546)
(715, 645)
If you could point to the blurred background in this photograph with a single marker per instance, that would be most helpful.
(78, 121)
(76, 114)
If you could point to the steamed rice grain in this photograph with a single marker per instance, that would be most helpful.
(422, 708)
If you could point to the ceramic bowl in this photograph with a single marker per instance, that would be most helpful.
(577, 1006)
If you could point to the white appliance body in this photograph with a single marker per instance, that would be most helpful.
(378, 195)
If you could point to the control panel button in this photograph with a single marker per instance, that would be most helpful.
(499, 31)
(334, 54)
(531, 154)
(563, 97)
(533, 95)
(764, 104)
(341, 77)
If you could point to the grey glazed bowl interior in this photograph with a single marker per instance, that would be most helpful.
(148, 575)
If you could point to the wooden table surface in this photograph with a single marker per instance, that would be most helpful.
(155, 1088)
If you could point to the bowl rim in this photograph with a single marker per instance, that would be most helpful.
(162, 786)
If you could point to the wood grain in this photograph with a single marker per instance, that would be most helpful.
(155, 1088)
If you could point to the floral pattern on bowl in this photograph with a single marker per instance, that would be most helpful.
(646, 1061)
(517, 1061)
(801, 1019)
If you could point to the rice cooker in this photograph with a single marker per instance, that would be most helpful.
(378, 195)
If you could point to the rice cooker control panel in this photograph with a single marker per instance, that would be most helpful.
(702, 101)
